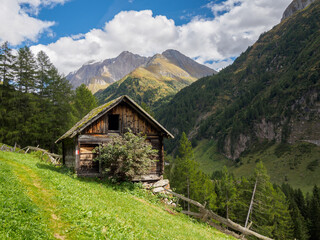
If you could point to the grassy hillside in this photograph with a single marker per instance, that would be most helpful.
(297, 164)
(40, 201)
(154, 83)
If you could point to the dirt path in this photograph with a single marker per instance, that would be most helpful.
(41, 196)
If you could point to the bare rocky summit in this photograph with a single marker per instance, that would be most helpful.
(295, 6)
(99, 75)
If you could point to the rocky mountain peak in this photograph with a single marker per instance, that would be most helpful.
(106, 72)
(99, 75)
(192, 67)
(295, 6)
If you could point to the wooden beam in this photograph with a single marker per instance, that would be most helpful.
(185, 199)
(194, 214)
(220, 219)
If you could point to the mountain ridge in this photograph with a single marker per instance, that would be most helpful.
(99, 75)
(295, 6)
(157, 80)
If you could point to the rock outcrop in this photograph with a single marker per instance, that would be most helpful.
(295, 6)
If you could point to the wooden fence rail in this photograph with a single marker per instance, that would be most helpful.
(54, 158)
(7, 148)
(208, 215)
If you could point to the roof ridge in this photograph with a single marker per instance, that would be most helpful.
(102, 109)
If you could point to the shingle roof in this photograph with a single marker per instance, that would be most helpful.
(101, 110)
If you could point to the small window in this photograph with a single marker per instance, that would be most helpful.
(113, 122)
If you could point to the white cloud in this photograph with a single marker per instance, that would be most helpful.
(18, 24)
(216, 40)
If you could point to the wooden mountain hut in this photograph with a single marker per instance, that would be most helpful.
(103, 122)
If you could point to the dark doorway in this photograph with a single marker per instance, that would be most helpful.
(113, 120)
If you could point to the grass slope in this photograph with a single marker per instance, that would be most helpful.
(153, 84)
(298, 164)
(40, 201)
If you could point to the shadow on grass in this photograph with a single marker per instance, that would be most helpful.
(59, 169)
(119, 186)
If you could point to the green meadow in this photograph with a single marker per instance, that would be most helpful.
(42, 201)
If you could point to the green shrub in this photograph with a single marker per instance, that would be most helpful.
(126, 156)
(313, 165)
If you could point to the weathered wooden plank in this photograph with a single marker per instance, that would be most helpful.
(197, 204)
(194, 214)
(220, 219)
(236, 226)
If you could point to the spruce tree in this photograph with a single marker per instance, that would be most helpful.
(6, 64)
(26, 70)
(228, 193)
(186, 177)
(83, 101)
(270, 214)
(314, 214)
(60, 109)
(43, 79)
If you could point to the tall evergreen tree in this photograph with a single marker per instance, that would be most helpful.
(61, 110)
(84, 101)
(227, 194)
(314, 214)
(6, 64)
(270, 214)
(43, 79)
(26, 66)
(298, 211)
(186, 178)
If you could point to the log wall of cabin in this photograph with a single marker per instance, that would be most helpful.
(86, 156)
(128, 119)
(69, 153)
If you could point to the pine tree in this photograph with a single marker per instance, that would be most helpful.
(228, 193)
(6, 64)
(26, 70)
(314, 214)
(84, 101)
(270, 214)
(300, 229)
(60, 109)
(186, 178)
(297, 206)
(43, 79)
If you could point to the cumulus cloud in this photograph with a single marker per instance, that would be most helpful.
(18, 24)
(214, 42)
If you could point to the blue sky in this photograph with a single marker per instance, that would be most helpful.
(73, 32)
(80, 16)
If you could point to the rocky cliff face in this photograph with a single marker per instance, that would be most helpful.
(294, 6)
(304, 126)
(101, 74)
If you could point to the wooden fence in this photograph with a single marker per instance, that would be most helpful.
(7, 148)
(52, 157)
(207, 215)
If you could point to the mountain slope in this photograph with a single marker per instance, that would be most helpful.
(101, 74)
(271, 92)
(295, 6)
(157, 80)
(41, 201)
